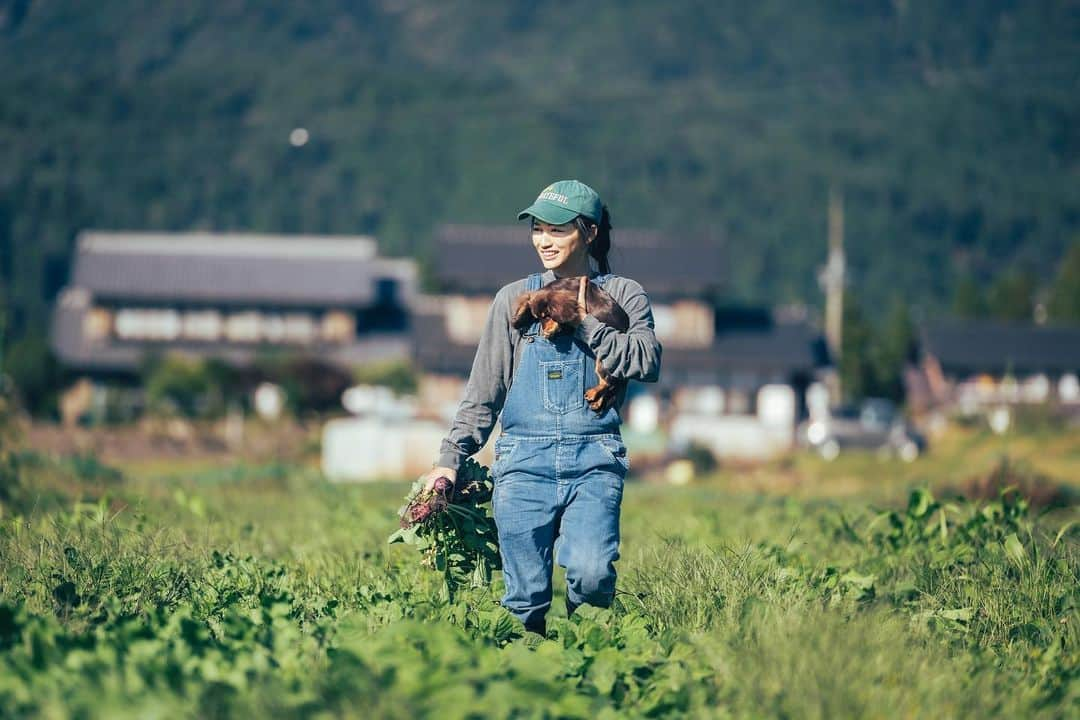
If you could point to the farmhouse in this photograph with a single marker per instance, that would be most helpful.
(230, 296)
(970, 366)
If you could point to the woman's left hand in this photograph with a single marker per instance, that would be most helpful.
(582, 309)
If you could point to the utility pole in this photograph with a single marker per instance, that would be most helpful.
(832, 281)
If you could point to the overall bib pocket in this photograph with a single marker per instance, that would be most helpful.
(563, 383)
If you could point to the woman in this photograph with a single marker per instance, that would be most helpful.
(559, 466)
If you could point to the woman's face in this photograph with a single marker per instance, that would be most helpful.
(561, 247)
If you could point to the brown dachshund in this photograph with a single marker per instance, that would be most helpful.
(556, 307)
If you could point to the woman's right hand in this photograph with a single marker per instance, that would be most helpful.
(438, 472)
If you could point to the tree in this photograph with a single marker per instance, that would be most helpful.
(874, 355)
(1063, 304)
(406, 126)
(857, 377)
(1012, 296)
(968, 301)
(36, 374)
(176, 384)
(399, 376)
(893, 350)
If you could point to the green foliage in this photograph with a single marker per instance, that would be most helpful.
(1064, 301)
(191, 387)
(180, 385)
(874, 356)
(31, 365)
(968, 301)
(1012, 296)
(950, 128)
(857, 376)
(399, 376)
(701, 457)
(310, 384)
(11, 484)
(246, 595)
(895, 350)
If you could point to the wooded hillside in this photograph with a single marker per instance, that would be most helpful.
(953, 128)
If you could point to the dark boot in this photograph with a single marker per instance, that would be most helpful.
(537, 626)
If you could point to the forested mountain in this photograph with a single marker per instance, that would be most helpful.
(952, 128)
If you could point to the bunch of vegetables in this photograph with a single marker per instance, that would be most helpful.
(450, 526)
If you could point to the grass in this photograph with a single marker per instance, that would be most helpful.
(860, 591)
(958, 454)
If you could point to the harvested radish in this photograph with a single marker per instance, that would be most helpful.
(451, 527)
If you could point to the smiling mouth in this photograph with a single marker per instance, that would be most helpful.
(548, 255)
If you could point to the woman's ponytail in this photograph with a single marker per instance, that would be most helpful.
(601, 244)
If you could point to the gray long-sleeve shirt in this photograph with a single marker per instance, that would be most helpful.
(634, 354)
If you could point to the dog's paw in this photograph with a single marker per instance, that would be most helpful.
(549, 327)
(523, 315)
(597, 399)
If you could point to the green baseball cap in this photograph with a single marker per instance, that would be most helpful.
(563, 201)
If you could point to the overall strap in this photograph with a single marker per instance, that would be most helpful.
(532, 283)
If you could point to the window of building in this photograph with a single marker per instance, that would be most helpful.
(338, 326)
(684, 324)
(386, 314)
(242, 327)
(97, 324)
(299, 328)
(272, 328)
(147, 324)
(202, 325)
(465, 318)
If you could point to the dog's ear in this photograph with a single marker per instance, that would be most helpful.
(523, 315)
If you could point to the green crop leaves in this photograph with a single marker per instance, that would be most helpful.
(277, 602)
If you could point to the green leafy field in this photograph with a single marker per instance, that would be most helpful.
(249, 591)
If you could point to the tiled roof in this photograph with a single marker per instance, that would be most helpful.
(237, 269)
(781, 348)
(997, 347)
(481, 259)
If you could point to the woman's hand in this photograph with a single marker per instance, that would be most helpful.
(583, 310)
(438, 472)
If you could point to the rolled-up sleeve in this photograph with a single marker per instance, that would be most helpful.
(634, 354)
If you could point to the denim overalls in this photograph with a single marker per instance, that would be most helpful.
(559, 469)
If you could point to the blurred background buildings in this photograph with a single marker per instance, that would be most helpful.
(916, 164)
